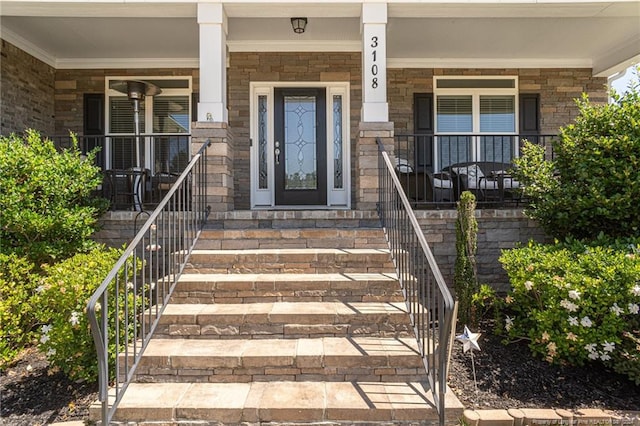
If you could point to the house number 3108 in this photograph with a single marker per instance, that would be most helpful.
(374, 66)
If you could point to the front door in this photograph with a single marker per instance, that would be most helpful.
(300, 146)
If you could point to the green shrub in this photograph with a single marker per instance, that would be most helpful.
(465, 280)
(48, 211)
(65, 335)
(18, 309)
(593, 183)
(572, 301)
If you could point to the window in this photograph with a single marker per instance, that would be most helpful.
(475, 119)
(164, 120)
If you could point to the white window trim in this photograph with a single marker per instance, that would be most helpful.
(265, 197)
(148, 108)
(475, 94)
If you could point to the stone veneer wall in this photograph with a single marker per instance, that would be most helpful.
(497, 230)
(557, 88)
(26, 92)
(283, 67)
(71, 85)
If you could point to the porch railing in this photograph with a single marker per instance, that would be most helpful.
(428, 299)
(168, 152)
(125, 310)
(435, 169)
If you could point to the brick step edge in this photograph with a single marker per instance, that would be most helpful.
(526, 416)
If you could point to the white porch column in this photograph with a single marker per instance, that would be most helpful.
(213, 63)
(374, 63)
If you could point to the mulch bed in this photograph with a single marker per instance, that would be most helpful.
(508, 377)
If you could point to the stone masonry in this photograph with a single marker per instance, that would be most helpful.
(27, 87)
(220, 156)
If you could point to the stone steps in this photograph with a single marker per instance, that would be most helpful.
(310, 261)
(283, 319)
(251, 288)
(319, 359)
(283, 402)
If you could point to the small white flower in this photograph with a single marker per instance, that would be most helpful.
(528, 285)
(573, 294)
(608, 346)
(616, 309)
(573, 321)
(569, 305)
(46, 328)
(594, 355)
(605, 357)
(51, 352)
(29, 368)
(636, 290)
(75, 318)
(571, 336)
(591, 347)
(44, 338)
(508, 323)
(40, 289)
(586, 322)
(98, 306)
(634, 308)
(130, 285)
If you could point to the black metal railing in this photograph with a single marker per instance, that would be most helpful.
(129, 183)
(125, 310)
(428, 299)
(435, 169)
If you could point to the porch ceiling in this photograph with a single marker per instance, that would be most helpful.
(601, 35)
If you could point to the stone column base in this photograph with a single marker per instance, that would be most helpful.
(220, 185)
(366, 161)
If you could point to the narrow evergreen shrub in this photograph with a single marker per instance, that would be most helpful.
(465, 274)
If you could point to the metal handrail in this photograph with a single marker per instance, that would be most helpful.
(428, 299)
(125, 309)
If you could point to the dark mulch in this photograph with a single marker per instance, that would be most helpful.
(508, 377)
(30, 396)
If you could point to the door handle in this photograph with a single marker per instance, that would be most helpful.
(277, 152)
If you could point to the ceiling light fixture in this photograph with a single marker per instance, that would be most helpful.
(299, 25)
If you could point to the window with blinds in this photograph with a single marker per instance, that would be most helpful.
(121, 115)
(171, 114)
(454, 114)
(497, 114)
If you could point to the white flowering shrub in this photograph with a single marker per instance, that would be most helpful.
(64, 334)
(572, 302)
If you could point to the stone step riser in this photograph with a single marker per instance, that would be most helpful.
(290, 239)
(277, 373)
(284, 331)
(286, 291)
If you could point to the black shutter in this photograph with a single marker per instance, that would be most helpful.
(93, 126)
(529, 114)
(423, 113)
(93, 114)
(423, 128)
